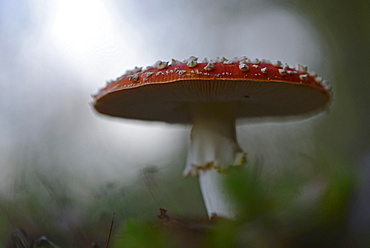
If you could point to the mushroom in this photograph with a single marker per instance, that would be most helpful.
(211, 95)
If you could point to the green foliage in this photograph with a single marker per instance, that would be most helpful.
(284, 211)
(291, 211)
(136, 234)
(223, 235)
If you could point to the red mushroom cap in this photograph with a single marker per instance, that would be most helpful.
(262, 89)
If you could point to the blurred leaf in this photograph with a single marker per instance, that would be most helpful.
(289, 209)
(223, 235)
(137, 235)
(248, 191)
(340, 186)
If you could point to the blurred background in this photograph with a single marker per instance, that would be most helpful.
(64, 169)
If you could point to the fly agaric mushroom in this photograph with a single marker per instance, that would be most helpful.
(211, 95)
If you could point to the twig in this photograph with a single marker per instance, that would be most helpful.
(110, 230)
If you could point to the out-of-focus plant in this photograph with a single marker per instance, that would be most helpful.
(289, 210)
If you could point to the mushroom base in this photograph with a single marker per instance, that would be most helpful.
(213, 149)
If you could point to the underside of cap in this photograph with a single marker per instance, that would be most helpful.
(169, 102)
(166, 92)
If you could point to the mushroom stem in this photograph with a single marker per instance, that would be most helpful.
(213, 148)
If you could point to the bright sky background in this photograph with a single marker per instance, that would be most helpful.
(55, 54)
